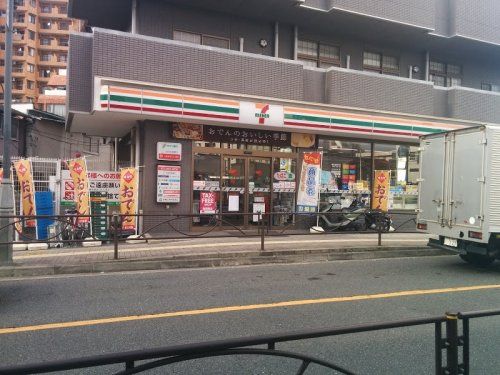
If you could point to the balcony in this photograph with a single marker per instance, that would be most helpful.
(53, 31)
(123, 56)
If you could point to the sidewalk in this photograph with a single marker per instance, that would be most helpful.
(212, 252)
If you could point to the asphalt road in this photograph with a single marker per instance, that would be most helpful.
(25, 304)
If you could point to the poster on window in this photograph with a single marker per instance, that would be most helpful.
(78, 173)
(381, 185)
(208, 202)
(168, 184)
(308, 194)
(27, 190)
(128, 197)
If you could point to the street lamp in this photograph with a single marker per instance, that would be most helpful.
(6, 188)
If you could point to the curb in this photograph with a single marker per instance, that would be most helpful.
(221, 260)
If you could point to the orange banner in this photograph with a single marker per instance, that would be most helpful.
(27, 190)
(381, 186)
(129, 179)
(78, 173)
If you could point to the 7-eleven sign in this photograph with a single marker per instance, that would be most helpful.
(262, 114)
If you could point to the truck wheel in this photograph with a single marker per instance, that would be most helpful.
(477, 259)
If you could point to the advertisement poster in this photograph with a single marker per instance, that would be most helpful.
(234, 203)
(129, 185)
(27, 190)
(208, 202)
(168, 184)
(308, 194)
(168, 151)
(187, 131)
(303, 140)
(99, 181)
(381, 190)
(78, 173)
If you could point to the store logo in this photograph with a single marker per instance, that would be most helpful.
(382, 177)
(78, 168)
(22, 169)
(262, 112)
(128, 177)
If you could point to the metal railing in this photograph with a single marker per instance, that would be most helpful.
(451, 348)
(72, 229)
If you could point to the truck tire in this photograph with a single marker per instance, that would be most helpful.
(477, 259)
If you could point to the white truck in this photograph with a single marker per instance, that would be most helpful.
(459, 192)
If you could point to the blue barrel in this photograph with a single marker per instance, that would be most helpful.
(44, 206)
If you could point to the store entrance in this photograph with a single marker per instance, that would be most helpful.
(240, 186)
(246, 187)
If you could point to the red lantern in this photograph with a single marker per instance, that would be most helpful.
(259, 172)
(233, 172)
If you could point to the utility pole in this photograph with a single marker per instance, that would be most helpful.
(6, 188)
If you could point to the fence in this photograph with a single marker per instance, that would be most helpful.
(451, 348)
(76, 230)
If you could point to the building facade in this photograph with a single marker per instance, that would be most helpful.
(237, 92)
(40, 42)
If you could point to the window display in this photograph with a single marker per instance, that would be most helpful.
(346, 173)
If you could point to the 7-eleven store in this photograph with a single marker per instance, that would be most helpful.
(208, 152)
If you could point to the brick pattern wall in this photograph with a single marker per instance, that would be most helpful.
(474, 105)
(79, 94)
(477, 19)
(166, 62)
(416, 12)
(365, 90)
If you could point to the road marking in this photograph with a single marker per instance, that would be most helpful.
(225, 309)
(211, 245)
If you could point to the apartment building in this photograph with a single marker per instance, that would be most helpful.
(40, 42)
(238, 91)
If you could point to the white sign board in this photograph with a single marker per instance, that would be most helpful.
(168, 151)
(168, 184)
(100, 181)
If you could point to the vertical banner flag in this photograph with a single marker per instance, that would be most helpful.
(78, 173)
(27, 190)
(381, 184)
(128, 197)
(307, 197)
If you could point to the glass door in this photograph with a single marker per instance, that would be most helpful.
(233, 190)
(259, 188)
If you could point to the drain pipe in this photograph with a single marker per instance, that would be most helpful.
(276, 39)
(295, 41)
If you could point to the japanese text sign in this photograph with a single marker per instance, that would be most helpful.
(168, 184)
(381, 185)
(128, 197)
(27, 189)
(78, 173)
(168, 151)
(307, 197)
(99, 181)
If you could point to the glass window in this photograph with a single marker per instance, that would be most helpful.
(184, 36)
(31, 68)
(31, 52)
(45, 41)
(30, 85)
(206, 187)
(46, 25)
(31, 35)
(64, 42)
(317, 54)
(46, 8)
(2, 62)
(215, 42)
(346, 173)
(63, 9)
(381, 63)
(284, 187)
(403, 162)
(64, 25)
(490, 87)
(445, 75)
(32, 18)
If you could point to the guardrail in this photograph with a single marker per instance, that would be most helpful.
(451, 348)
(76, 230)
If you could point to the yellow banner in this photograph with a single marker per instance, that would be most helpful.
(27, 190)
(78, 173)
(128, 197)
(381, 187)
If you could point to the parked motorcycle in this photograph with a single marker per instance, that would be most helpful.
(355, 217)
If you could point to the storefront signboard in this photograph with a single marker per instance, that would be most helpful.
(247, 136)
(168, 151)
(99, 181)
(381, 188)
(129, 185)
(208, 202)
(308, 194)
(261, 114)
(23, 170)
(168, 184)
